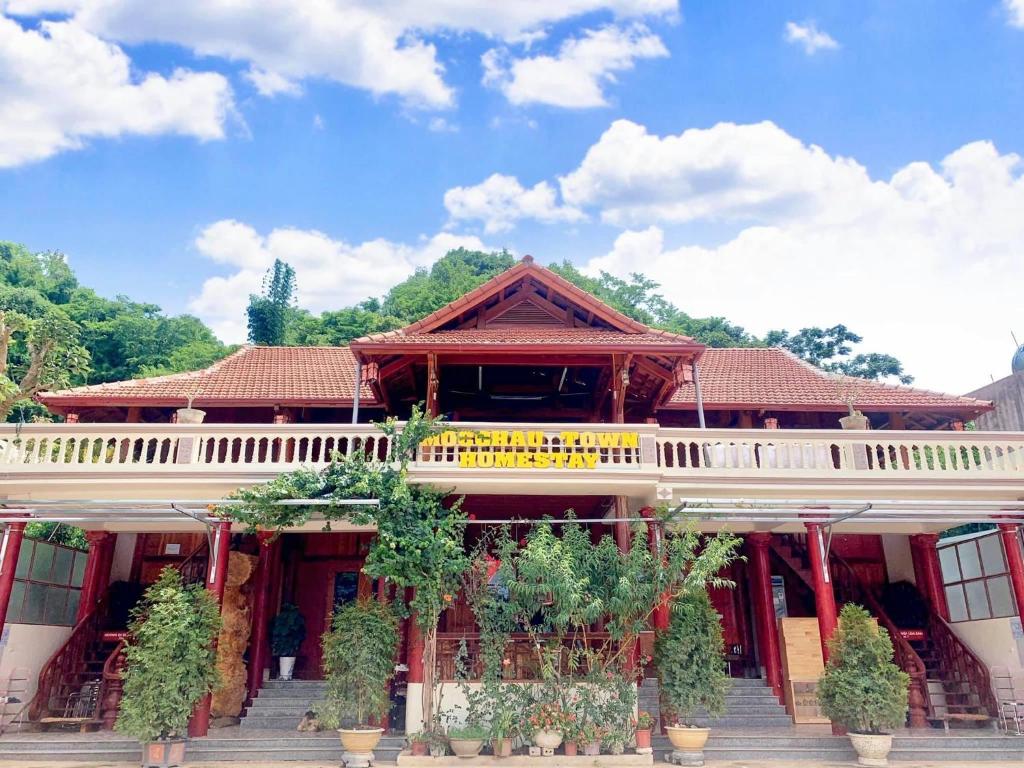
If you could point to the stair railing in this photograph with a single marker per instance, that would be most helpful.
(193, 571)
(963, 663)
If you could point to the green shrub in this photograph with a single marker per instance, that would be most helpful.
(359, 659)
(690, 656)
(861, 689)
(287, 631)
(170, 659)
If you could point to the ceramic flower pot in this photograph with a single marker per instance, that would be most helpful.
(872, 748)
(190, 416)
(466, 747)
(285, 667)
(166, 753)
(419, 748)
(360, 741)
(856, 421)
(547, 739)
(501, 747)
(592, 748)
(570, 749)
(643, 738)
(686, 739)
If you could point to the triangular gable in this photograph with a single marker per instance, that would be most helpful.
(525, 294)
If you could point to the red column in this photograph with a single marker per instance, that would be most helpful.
(92, 589)
(661, 616)
(824, 598)
(216, 579)
(1014, 561)
(414, 655)
(764, 610)
(10, 548)
(928, 571)
(258, 649)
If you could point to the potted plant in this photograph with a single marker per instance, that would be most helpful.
(287, 631)
(359, 659)
(862, 689)
(188, 414)
(548, 724)
(691, 669)
(643, 725)
(170, 664)
(419, 743)
(589, 735)
(504, 719)
(467, 740)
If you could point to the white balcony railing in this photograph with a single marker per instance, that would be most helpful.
(479, 449)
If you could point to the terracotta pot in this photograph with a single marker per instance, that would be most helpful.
(501, 747)
(592, 748)
(190, 416)
(687, 739)
(419, 748)
(570, 749)
(547, 739)
(466, 747)
(360, 741)
(872, 748)
(643, 738)
(166, 753)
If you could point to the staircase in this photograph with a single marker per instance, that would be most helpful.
(946, 677)
(748, 704)
(280, 704)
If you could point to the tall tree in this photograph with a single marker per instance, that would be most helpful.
(268, 312)
(829, 349)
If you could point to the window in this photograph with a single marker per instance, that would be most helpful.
(47, 584)
(976, 581)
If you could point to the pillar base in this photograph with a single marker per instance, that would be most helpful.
(680, 757)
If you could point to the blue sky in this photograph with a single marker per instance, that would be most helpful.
(781, 164)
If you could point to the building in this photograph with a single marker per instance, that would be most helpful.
(748, 438)
(1007, 397)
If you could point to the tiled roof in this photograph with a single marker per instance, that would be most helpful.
(531, 335)
(772, 377)
(253, 375)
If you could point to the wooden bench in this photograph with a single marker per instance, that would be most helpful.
(85, 724)
(963, 717)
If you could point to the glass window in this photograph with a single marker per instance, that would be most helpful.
(950, 567)
(78, 574)
(977, 600)
(24, 559)
(71, 611)
(17, 599)
(56, 600)
(970, 562)
(35, 603)
(1000, 596)
(956, 603)
(47, 584)
(63, 559)
(992, 555)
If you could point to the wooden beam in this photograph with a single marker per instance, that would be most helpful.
(432, 384)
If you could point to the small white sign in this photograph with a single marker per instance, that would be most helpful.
(172, 549)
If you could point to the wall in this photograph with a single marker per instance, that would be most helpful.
(994, 642)
(28, 647)
(899, 561)
(124, 553)
(1008, 396)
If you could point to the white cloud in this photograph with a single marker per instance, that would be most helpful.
(1015, 12)
(271, 83)
(926, 265)
(330, 273)
(810, 37)
(375, 45)
(61, 86)
(728, 172)
(576, 76)
(499, 201)
(439, 125)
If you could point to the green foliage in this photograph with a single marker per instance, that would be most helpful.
(268, 312)
(171, 662)
(690, 656)
(862, 689)
(457, 273)
(359, 659)
(829, 349)
(58, 533)
(287, 631)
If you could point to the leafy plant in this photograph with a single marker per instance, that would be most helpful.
(287, 631)
(691, 659)
(644, 721)
(862, 689)
(358, 659)
(469, 732)
(170, 659)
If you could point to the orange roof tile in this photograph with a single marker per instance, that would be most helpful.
(770, 377)
(250, 376)
(527, 335)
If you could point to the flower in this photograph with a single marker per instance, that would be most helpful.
(447, 597)
(506, 662)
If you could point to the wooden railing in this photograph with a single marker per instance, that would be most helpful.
(476, 448)
(520, 654)
(962, 664)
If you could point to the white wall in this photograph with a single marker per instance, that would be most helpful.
(124, 552)
(994, 642)
(26, 647)
(899, 562)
